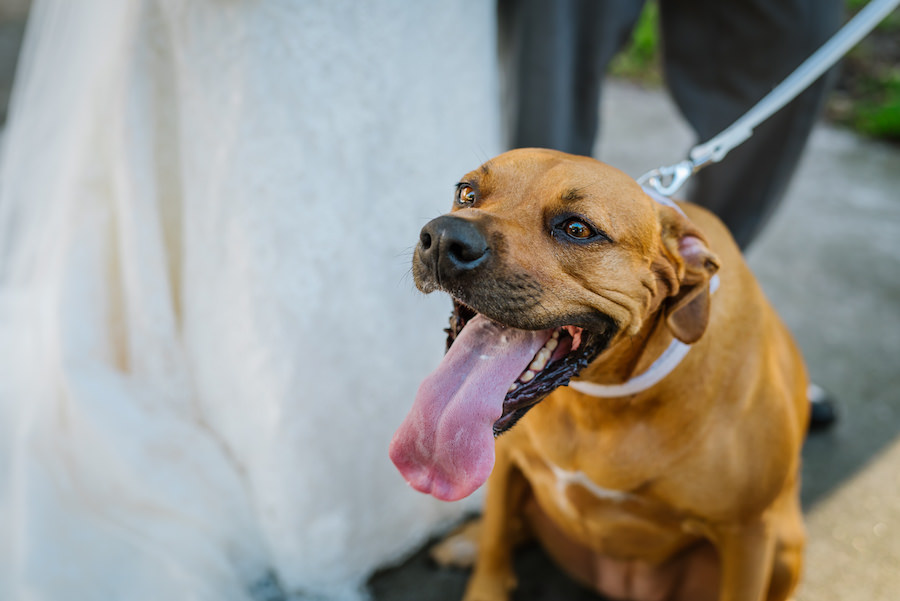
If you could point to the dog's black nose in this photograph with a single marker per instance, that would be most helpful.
(451, 245)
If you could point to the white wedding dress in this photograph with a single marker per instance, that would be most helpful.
(208, 333)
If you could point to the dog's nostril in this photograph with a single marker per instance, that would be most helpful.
(465, 253)
(425, 239)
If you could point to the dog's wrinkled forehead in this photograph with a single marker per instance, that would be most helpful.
(543, 180)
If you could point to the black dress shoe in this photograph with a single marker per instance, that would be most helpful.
(823, 409)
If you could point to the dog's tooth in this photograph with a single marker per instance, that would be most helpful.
(512, 387)
(555, 335)
(539, 363)
(527, 376)
(552, 344)
(541, 359)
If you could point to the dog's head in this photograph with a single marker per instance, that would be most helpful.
(549, 258)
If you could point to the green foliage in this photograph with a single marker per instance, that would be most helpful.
(640, 59)
(881, 117)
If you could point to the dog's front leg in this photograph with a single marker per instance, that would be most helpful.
(493, 577)
(746, 553)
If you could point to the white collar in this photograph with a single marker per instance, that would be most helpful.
(663, 365)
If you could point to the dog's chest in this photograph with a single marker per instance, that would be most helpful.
(567, 478)
(621, 519)
(574, 492)
(606, 465)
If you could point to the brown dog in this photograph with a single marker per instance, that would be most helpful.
(681, 482)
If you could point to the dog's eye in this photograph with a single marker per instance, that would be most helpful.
(577, 229)
(465, 195)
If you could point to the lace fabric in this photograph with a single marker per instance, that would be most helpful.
(207, 328)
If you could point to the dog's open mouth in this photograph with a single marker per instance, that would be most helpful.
(567, 351)
(490, 377)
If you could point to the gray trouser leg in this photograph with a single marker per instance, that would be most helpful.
(721, 57)
(554, 54)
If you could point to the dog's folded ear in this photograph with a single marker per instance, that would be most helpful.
(687, 308)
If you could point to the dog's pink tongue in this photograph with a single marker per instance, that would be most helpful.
(445, 446)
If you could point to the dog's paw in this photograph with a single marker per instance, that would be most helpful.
(460, 548)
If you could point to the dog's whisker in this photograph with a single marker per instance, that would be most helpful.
(481, 155)
(406, 277)
(406, 253)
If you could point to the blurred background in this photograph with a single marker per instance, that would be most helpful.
(829, 260)
(13, 14)
(866, 98)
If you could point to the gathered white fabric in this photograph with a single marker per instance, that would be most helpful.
(207, 329)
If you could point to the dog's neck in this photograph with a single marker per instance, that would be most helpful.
(625, 359)
(635, 364)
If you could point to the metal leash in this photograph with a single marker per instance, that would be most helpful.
(667, 180)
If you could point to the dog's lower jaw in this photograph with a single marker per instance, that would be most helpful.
(519, 401)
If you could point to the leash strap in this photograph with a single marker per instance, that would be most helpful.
(669, 179)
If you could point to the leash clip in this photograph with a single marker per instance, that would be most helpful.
(669, 179)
